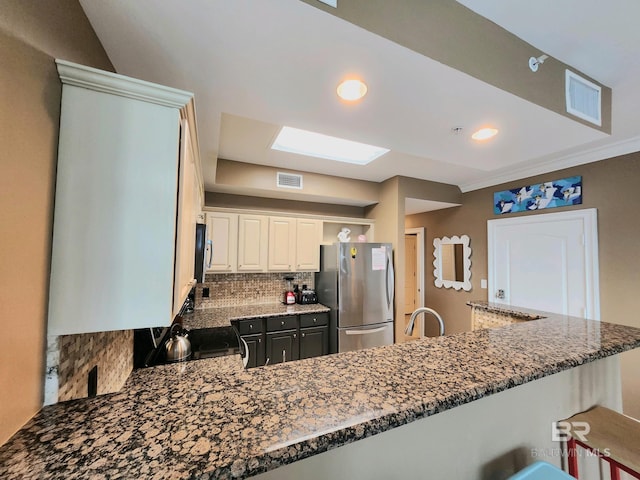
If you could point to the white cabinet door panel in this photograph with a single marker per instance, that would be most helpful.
(282, 244)
(253, 241)
(308, 236)
(114, 230)
(222, 231)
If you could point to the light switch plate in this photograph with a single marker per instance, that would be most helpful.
(483, 283)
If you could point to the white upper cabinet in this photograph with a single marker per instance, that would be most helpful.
(222, 242)
(282, 244)
(308, 236)
(186, 227)
(260, 243)
(253, 238)
(114, 252)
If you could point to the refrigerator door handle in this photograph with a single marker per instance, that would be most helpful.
(390, 284)
(365, 332)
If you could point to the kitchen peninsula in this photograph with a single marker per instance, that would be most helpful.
(422, 409)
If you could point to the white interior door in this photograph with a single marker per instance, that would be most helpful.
(546, 262)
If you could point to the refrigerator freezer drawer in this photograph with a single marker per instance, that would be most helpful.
(365, 337)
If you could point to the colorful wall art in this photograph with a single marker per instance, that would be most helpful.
(558, 193)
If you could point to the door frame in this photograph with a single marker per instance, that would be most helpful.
(420, 234)
(589, 217)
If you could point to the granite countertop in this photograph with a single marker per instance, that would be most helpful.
(212, 419)
(222, 316)
(517, 312)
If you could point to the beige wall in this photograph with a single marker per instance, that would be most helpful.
(427, 190)
(32, 34)
(390, 220)
(388, 215)
(260, 180)
(226, 200)
(611, 186)
(450, 33)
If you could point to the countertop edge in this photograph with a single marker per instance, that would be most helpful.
(296, 451)
(518, 312)
(616, 339)
(321, 309)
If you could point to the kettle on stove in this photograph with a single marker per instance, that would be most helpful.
(178, 347)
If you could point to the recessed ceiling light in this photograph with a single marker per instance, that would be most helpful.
(352, 90)
(485, 134)
(314, 144)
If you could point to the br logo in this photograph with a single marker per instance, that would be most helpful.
(561, 431)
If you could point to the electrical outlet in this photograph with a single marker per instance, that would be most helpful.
(205, 292)
(483, 283)
(92, 382)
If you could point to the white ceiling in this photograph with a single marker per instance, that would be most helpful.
(256, 65)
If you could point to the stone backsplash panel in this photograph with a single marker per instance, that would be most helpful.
(484, 319)
(231, 289)
(71, 357)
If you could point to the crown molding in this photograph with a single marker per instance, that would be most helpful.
(115, 84)
(595, 154)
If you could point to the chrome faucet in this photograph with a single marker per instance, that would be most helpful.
(409, 329)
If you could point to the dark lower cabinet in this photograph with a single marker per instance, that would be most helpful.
(282, 346)
(314, 342)
(282, 339)
(255, 346)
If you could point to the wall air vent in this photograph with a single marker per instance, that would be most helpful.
(583, 98)
(288, 180)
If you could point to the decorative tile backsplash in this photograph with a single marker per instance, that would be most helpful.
(230, 289)
(484, 319)
(71, 357)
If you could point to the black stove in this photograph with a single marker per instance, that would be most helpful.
(213, 342)
(205, 343)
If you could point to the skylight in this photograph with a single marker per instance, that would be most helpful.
(314, 144)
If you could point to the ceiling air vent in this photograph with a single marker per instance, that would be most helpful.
(583, 98)
(289, 180)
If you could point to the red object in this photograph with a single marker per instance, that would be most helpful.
(290, 298)
(615, 467)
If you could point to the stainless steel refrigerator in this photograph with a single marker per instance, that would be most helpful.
(356, 281)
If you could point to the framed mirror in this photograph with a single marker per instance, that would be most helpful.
(452, 264)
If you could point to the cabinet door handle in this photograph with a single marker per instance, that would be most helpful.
(250, 327)
(282, 323)
(315, 320)
(284, 356)
(294, 335)
(259, 340)
(303, 335)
